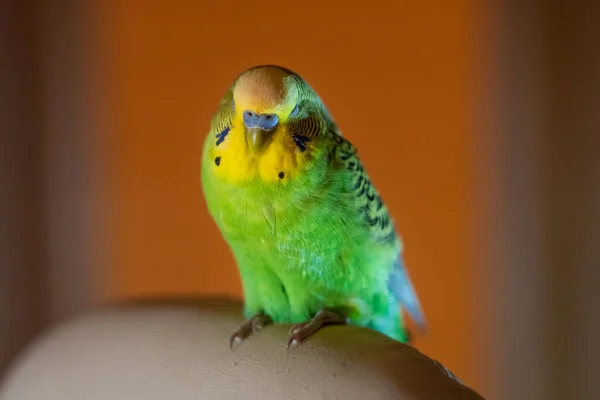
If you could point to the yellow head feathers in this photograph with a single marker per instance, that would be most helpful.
(267, 127)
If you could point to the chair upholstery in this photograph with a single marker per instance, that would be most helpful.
(179, 349)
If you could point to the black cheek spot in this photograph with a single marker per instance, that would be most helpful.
(281, 175)
(218, 161)
(221, 136)
(301, 141)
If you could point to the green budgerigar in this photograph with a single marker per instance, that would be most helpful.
(313, 240)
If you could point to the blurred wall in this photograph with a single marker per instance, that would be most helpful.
(50, 212)
(22, 266)
(409, 66)
(540, 161)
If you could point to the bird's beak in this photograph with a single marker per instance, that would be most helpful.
(258, 140)
(259, 130)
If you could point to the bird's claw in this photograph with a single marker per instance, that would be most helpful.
(249, 327)
(300, 332)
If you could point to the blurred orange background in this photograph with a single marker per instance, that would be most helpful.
(477, 122)
(397, 77)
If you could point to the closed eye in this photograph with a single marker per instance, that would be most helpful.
(295, 111)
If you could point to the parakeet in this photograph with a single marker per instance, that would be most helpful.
(313, 241)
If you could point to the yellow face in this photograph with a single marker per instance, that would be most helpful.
(255, 131)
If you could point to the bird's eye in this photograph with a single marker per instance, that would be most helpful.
(295, 111)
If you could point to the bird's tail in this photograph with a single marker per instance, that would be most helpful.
(401, 286)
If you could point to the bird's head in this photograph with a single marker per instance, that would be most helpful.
(268, 126)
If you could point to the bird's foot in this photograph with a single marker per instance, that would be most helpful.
(300, 332)
(252, 325)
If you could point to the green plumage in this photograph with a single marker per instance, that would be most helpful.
(323, 238)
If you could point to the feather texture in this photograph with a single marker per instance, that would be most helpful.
(304, 222)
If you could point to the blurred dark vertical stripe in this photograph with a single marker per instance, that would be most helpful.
(45, 224)
(23, 274)
(543, 156)
(574, 197)
(513, 160)
(66, 28)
